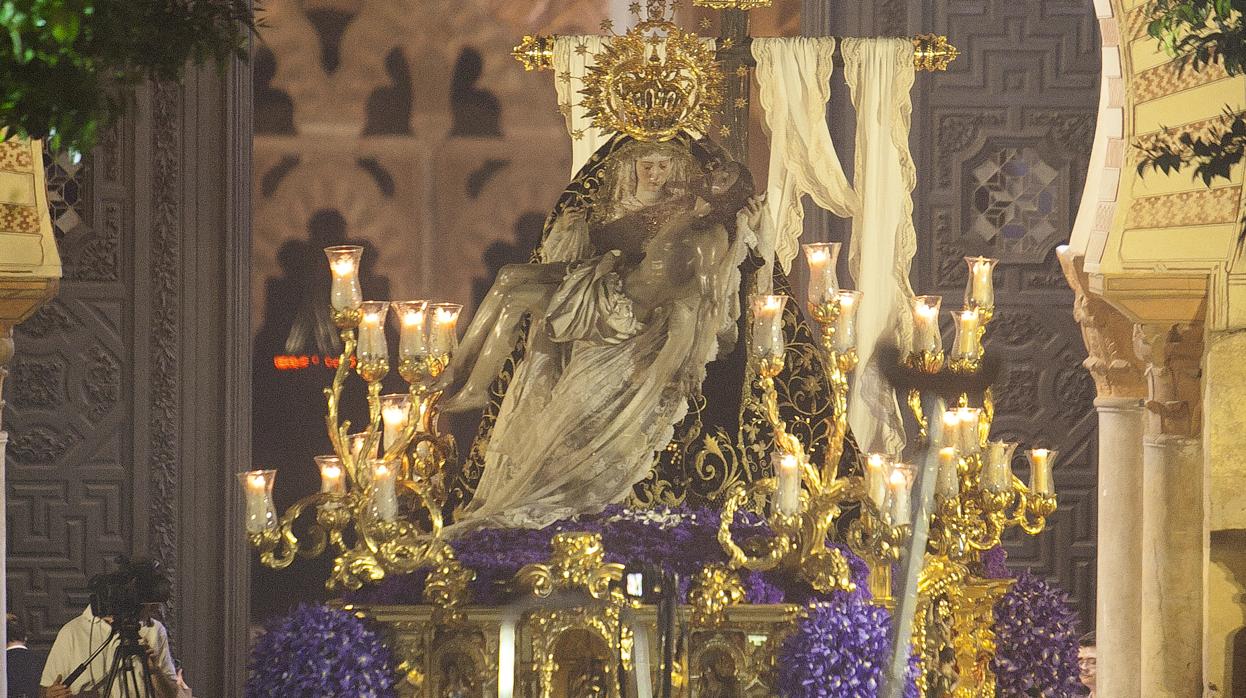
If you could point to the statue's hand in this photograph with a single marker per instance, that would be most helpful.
(752, 211)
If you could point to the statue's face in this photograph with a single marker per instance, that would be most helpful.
(652, 173)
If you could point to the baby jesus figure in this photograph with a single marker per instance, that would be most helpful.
(615, 349)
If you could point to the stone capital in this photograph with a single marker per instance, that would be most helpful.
(1173, 356)
(1107, 333)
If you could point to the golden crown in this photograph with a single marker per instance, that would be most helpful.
(654, 81)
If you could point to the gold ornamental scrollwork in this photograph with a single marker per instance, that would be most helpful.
(578, 563)
(714, 589)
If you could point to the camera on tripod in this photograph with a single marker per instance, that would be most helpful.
(123, 594)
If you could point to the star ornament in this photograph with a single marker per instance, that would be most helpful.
(607, 25)
(724, 131)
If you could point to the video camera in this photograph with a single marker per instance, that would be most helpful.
(123, 593)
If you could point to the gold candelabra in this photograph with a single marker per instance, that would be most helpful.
(381, 492)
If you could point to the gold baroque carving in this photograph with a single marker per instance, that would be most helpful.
(1107, 333)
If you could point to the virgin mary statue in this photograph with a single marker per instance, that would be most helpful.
(609, 368)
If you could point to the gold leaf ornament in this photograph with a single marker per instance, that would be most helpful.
(653, 82)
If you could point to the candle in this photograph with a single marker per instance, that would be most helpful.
(877, 466)
(344, 293)
(970, 442)
(395, 410)
(822, 258)
(257, 487)
(926, 336)
(966, 323)
(947, 484)
(506, 657)
(980, 289)
(951, 429)
(384, 495)
(356, 443)
(846, 323)
(1041, 462)
(372, 345)
(768, 342)
(412, 329)
(899, 485)
(997, 477)
(331, 476)
(787, 499)
(443, 336)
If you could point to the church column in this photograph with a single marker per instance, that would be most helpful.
(1117, 373)
(1174, 539)
(6, 354)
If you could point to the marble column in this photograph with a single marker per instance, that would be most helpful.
(1174, 536)
(1118, 626)
(6, 353)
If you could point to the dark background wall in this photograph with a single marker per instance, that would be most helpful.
(1001, 142)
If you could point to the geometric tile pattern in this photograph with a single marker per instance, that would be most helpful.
(1014, 200)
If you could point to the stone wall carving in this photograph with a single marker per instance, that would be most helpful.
(1173, 354)
(1107, 333)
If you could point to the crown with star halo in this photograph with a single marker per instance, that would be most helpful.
(653, 81)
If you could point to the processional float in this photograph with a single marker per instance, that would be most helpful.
(381, 506)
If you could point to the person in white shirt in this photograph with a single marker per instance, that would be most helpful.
(86, 634)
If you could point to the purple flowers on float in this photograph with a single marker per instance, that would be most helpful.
(1037, 641)
(319, 652)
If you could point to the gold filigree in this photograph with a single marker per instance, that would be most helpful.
(932, 52)
(714, 589)
(578, 563)
(447, 586)
(732, 4)
(653, 92)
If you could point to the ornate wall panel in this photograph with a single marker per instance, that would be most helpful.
(1002, 141)
(123, 412)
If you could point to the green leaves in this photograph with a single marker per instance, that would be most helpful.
(70, 57)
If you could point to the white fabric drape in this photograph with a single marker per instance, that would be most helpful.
(570, 64)
(794, 80)
(880, 76)
(794, 76)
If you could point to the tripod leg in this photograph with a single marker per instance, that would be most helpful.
(115, 667)
(148, 683)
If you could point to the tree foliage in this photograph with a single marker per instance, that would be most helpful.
(1201, 34)
(66, 65)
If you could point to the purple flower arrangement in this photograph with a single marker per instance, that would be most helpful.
(1037, 641)
(320, 652)
(838, 649)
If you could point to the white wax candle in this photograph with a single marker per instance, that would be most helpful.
(947, 485)
(926, 325)
(443, 337)
(822, 258)
(394, 412)
(768, 326)
(412, 329)
(1041, 462)
(372, 345)
(384, 494)
(967, 323)
(899, 485)
(970, 441)
(876, 466)
(998, 475)
(788, 494)
(344, 293)
(951, 429)
(981, 290)
(846, 324)
(257, 491)
(332, 478)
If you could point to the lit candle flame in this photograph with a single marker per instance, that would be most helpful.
(413, 318)
(343, 266)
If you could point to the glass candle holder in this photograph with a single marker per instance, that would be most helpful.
(443, 336)
(980, 288)
(412, 337)
(355, 443)
(966, 346)
(877, 468)
(1042, 461)
(332, 475)
(787, 495)
(951, 429)
(344, 293)
(395, 411)
(384, 490)
(822, 258)
(899, 494)
(846, 322)
(926, 337)
(969, 443)
(997, 475)
(257, 488)
(372, 351)
(947, 483)
(768, 342)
